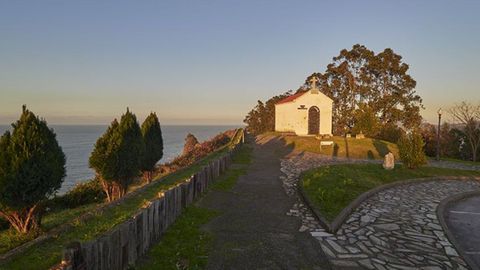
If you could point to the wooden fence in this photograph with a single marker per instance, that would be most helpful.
(127, 242)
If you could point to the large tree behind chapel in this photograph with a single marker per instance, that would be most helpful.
(32, 167)
(152, 137)
(369, 90)
(262, 117)
(118, 154)
(361, 78)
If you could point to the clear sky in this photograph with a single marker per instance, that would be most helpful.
(204, 62)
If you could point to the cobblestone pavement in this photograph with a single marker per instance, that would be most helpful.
(395, 229)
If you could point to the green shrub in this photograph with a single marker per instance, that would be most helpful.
(152, 137)
(410, 148)
(84, 193)
(118, 154)
(4, 224)
(32, 167)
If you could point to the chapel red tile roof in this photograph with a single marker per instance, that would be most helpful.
(291, 98)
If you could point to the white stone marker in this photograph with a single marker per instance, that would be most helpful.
(389, 161)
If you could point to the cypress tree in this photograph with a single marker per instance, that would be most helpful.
(152, 137)
(32, 167)
(118, 154)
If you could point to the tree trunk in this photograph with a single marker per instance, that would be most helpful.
(147, 176)
(25, 220)
(114, 191)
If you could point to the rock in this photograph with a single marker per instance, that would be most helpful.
(320, 234)
(336, 247)
(366, 263)
(367, 219)
(389, 161)
(450, 251)
(388, 226)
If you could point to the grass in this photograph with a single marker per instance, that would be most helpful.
(332, 188)
(344, 147)
(49, 252)
(185, 245)
(461, 161)
(10, 238)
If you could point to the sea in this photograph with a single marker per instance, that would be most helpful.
(77, 143)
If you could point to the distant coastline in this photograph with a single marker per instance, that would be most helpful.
(77, 142)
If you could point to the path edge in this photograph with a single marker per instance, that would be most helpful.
(333, 226)
(442, 213)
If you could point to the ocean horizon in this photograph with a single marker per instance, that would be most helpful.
(77, 142)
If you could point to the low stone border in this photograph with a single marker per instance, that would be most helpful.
(332, 227)
(442, 213)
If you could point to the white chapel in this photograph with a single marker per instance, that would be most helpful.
(305, 113)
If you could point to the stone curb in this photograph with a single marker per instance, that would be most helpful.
(442, 213)
(332, 227)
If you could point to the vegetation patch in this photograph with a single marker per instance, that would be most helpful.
(49, 252)
(185, 245)
(240, 160)
(331, 188)
(344, 147)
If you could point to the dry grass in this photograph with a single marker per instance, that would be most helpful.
(344, 147)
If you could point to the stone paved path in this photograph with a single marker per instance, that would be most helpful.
(252, 231)
(395, 229)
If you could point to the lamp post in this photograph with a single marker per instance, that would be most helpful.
(438, 132)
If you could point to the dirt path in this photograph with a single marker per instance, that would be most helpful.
(254, 231)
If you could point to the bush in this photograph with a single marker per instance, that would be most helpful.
(194, 151)
(118, 154)
(83, 193)
(4, 224)
(410, 147)
(32, 167)
(152, 137)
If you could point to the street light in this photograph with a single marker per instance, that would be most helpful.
(438, 132)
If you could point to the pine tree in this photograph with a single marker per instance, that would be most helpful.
(152, 137)
(118, 155)
(32, 167)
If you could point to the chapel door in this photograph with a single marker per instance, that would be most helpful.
(313, 120)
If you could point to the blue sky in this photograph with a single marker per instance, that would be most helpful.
(207, 62)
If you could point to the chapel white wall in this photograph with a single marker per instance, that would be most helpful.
(288, 118)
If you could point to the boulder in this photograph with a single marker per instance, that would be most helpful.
(389, 161)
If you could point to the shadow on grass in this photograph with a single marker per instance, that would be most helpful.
(347, 152)
(381, 147)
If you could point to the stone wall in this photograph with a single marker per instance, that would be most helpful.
(127, 242)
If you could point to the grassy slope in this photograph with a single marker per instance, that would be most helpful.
(49, 252)
(184, 245)
(10, 238)
(344, 147)
(332, 188)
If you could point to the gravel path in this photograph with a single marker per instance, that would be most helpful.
(253, 231)
(395, 229)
